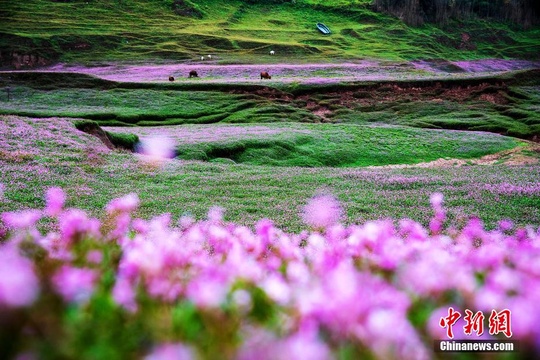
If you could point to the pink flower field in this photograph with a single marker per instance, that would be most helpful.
(88, 272)
(367, 70)
(193, 289)
(191, 134)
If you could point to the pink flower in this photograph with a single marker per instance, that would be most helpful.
(157, 149)
(74, 223)
(74, 284)
(436, 199)
(55, 199)
(412, 230)
(207, 291)
(123, 294)
(94, 257)
(125, 204)
(186, 221)
(215, 214)
(277, 289)
(436, 223)
(171, 352)
(21, 219)
(242, 299)
(505, 225)
(27, 356)
(322, 211)
(391, 336)
(19, 285)
(303, 346)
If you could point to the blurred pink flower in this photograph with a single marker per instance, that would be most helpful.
(322, 211)
(55, 199)
(141, 226)
(390, 336)
(488, 298)
(125, 204)
(157, 148)
(94, 257)
(21, 219)
(207, 291)
(242, 299)
(352, 284)
(171, 352)
(74, 284)
(411, 230)
(74, 224)
(436, 199)
(277, 289)
(186, 221)
(28, 355)
(505, 225)
(19, 285)
(123, 294)
(302, 346)
(215, 214)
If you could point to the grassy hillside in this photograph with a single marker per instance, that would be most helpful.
(38, 153)
(235, 31)
(506, 104)
(324, 145)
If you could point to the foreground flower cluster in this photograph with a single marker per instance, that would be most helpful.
(163, 289)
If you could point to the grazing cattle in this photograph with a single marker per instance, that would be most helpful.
(193, 73)
(171, 78)
(265, 75)
(272, 52)
(202, 58)
(209, 56)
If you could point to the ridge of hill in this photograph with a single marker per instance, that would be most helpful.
(36, 32)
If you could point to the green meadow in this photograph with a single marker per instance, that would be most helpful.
(242, 31)
(263, 149)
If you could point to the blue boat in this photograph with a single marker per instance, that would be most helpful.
(323, 28)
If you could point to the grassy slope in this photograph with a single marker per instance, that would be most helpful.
(39, 153)
(112, 104)
(323, 145)
(236, 33)
(121, 30)
(149, 107)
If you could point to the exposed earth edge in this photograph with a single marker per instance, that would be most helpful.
(520, 155)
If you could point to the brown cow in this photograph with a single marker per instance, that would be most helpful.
(265, 75)
(193, 73)
(171, 78)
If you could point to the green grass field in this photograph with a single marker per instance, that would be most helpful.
(39, 153)
(273, 146)
(504, 109)
(238, 32)
(330, 145)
